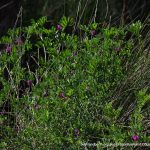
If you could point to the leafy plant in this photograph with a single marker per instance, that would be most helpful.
(59, 86)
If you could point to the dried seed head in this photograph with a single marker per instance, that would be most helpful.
(93, 32)
(18, 41)
(29, 83)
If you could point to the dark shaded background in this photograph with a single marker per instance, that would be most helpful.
(113, 11)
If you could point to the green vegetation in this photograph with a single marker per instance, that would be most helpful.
(63, 89)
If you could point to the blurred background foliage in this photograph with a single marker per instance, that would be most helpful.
(85, 11)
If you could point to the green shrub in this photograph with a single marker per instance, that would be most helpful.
(60, 86)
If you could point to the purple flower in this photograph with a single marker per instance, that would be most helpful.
(93, 32)
(8, 49)
(135, 137)
(59, 27)
(29, 83)
(117, 49)
(62, 95)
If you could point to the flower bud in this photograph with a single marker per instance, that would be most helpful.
(59, 27)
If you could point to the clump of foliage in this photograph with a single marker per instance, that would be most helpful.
(58, 89)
